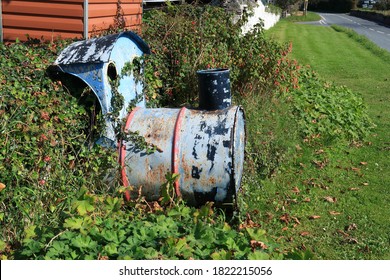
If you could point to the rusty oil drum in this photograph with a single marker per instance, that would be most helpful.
(206, 148)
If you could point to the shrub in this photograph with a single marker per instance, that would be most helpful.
(187, 38)
(45, 152)
(382, 5)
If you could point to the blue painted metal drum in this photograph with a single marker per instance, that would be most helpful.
(99, 60)
(206, 148)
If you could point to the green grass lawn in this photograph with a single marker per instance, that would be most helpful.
(333, 200)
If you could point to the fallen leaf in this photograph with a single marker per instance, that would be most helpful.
(304, 233)
(295, 190)
(330, 199)
(354, 189)
(352, 240)
(285, 228)
(298, 147)
(258, 244)
(2, 187)
(355, 169)
(307, 199)
(342, 233)
(320, 164)
(351, 227)
(314, 217)
(365, 184)
(285, 218)
(296, 220)
(320, 151)
(334, 213)
(248, 223)
(324, 187)
(363, 163)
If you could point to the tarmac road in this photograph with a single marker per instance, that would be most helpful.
(377, 33)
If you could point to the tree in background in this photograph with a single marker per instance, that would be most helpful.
(283, 4)
(305, 4)
(332, 5)
(382, 5)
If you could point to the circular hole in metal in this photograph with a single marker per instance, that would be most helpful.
(111, 71)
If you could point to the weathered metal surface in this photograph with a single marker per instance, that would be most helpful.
(98, 60)
(206, 148)
(214, 89)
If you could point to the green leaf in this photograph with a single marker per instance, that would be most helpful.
(83, 206)
(222, 255)
(258, 255)
(84, 242)
(113, 204)
(30, 232)
(3, 245)
(256, 233)
(73, 223)
(111, 249)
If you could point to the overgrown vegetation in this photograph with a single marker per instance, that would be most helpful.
(333, 199)
(54, 200)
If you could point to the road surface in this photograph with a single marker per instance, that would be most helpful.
(377, 33)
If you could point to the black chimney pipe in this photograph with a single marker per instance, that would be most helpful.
(214, 89)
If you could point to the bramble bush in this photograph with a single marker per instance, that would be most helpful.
(45, 152)
(187, 38)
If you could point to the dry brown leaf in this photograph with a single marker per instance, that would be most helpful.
(334, 213)
(320, 164)
(248, 223)
(365, 184)
(330, 199)
(295, 190)
(258, 244)
(314, 217)
(2, 187)
(298, 147)
(285, 228)
(354, 189)
(355, 169)
(320, 151)
(351, 227)
(285, 218)
(363, 163)
(304, 233)
(307, 199)
(296, 220)
(352, 240)
(342, 232)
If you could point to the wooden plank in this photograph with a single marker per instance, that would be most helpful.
(56, 1)
(45, 23)
(97, 24)
(114, 2)
(107, 10)
(11, 34)
(44, 8)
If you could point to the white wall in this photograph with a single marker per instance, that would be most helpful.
(269, 19)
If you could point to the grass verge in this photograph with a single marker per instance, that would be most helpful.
(332, 200)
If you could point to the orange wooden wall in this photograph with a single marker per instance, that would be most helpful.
(64, 18)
